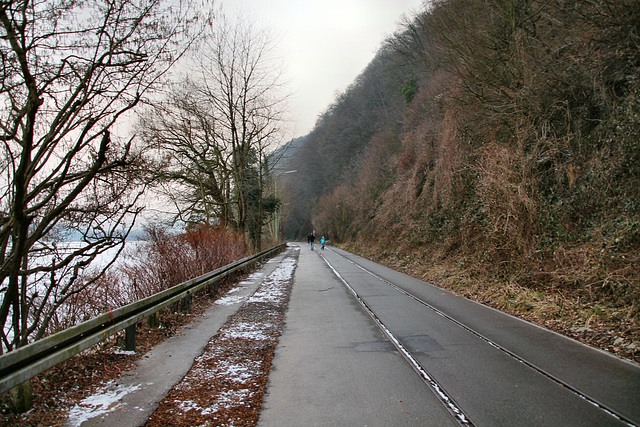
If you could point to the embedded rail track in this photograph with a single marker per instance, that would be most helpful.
(616, 415)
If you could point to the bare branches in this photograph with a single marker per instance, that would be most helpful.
(216, 127)
(71, 70)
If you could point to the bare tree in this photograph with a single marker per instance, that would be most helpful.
(222, 126)
(70, 72)
(192, 165)
(245, 89)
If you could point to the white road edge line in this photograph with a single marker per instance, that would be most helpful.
(442, 395)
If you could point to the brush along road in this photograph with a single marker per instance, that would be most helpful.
(365, 345)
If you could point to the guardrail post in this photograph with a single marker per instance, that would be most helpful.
(186, 304)
(130, 338)
(154, 320)
(21, 397)
(213, 288)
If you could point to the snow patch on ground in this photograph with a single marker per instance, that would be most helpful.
(226, 377)
(272, 290)
(100, 403)
(230, 300)
(249, 280)
(248, 331)
(124, 352)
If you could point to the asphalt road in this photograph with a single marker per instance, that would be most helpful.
(365, 345)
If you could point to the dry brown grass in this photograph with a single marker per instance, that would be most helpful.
(517, 180)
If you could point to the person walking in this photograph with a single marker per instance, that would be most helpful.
(322, 240)
(311, 239)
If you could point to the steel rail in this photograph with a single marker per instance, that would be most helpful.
(603, 407)
(443, 396)
(24, 363)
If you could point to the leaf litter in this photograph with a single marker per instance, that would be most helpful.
(226, 383)
(61, 398)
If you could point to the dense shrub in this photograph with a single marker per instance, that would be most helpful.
(160, 261)
(167, 260)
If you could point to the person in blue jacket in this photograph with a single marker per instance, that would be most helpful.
(322, 242)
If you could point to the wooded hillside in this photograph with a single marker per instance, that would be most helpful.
(494, 147)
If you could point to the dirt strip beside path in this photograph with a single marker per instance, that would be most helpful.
(226, 384)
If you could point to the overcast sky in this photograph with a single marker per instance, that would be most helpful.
(325, 44)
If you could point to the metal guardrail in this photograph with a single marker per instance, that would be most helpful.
(24, 363)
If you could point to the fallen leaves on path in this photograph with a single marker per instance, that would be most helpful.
(227, 382)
